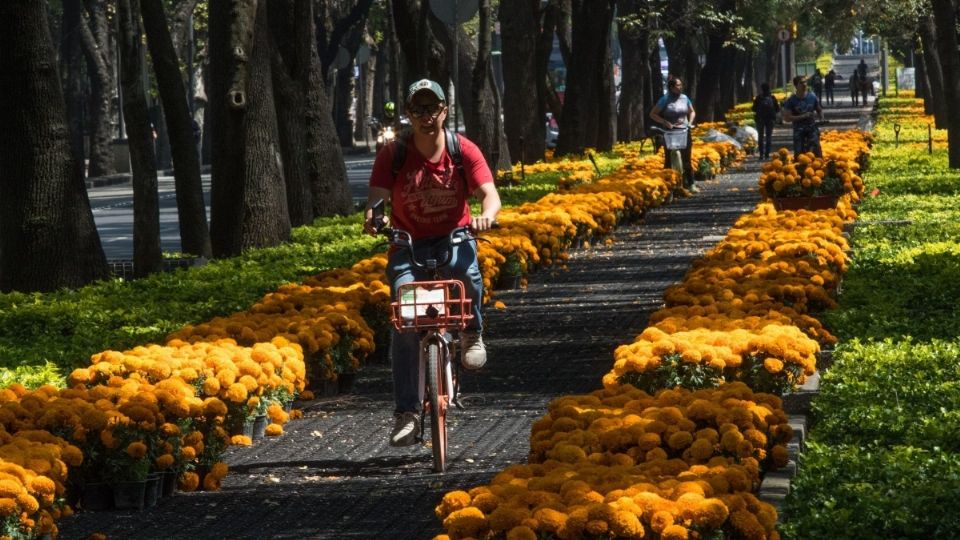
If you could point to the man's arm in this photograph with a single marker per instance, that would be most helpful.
(375, 194)
(489, 206)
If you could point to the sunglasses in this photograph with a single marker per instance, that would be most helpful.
(425, 110)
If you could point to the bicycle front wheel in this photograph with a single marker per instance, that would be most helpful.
(439, 396)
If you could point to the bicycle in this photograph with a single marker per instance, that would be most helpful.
(437, 309)
(674, 142)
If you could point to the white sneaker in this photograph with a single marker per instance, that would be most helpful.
(474, 352)
(405, 429)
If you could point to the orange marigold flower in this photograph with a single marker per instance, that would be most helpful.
(136, 450)
(189, 481)
(522, 533)
(675, 532)
(274, 430)
(240, 440)
(8, 506)
(164, 461)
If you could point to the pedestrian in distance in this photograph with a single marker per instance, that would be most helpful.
(803, 110)
(765, 109)
(816, 83)
(829, 82)
(854, 88)
(675, 110)
(429, 191)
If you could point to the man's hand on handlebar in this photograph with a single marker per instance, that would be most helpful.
(373, 226)
(481, 223)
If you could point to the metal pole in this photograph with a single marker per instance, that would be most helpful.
(783, 62)
(191, 76)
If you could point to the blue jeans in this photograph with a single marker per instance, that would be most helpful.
(765, 134)
(812, 134)
(405, 346)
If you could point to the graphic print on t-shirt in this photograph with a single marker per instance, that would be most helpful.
(430, 195)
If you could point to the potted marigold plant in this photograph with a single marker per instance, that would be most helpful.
(808, 182)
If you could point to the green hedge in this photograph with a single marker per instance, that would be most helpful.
(884, 453)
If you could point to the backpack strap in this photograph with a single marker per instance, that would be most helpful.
(452, 149)
(399, 155)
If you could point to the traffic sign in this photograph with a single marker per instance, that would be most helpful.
(783, 34)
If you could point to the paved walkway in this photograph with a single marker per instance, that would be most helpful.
(332, 474)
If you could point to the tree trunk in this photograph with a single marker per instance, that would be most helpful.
(420, 46)
(635, 48)
(523, 111)
(923, 83)
(147, 256)
(546, 89)
(248, 196)
(730, 73)
(327, 171)
(96, 38)
(707, 93)
(485, 99)
(587, 114)
(71, 69)
(194, 234)
(292, 30)
(933, 66)
(395, 88)
(47, 234)
(946, 17)
(342, 101)
(656, 80)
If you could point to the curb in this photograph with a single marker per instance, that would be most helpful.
(775, 485)
(113, 179)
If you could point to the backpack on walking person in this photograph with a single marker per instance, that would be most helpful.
(766, 107)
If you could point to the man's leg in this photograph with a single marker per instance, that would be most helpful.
(465, 267)
(404, 346)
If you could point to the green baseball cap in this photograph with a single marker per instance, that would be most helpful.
(425, 84)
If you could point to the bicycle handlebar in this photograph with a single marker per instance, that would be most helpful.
(404, 240)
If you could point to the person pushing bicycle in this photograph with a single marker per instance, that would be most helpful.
(429, 190)
(675, 110)
(803, 109)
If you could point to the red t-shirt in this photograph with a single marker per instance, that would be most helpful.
(430, 199)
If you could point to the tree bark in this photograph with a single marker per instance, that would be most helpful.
(71, 69)
(523, 110)
(934, 70)
(96, 38)
(147, 255)
(248, 195)
(587, 113)
(546, 89)
(48, 237)
(707, 98)
(635, 47)
(946, 17)
(194, 234)
(292, 29)
(327, 171)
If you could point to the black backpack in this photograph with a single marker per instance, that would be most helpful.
(767, 107)
(452, 150)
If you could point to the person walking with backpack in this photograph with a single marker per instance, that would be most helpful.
(765, 109)
(816, 83)
(428, 178)
(829, 82)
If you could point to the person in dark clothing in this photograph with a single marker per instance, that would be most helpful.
(828, 84)
(816, 83)
(765, 109)
(854, 88)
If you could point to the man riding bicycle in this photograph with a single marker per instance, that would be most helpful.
(428, 193)
(803, 109)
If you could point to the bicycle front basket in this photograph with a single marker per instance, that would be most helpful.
(675, 139)
(430, 304)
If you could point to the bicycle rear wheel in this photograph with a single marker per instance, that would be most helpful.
(439, 396)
